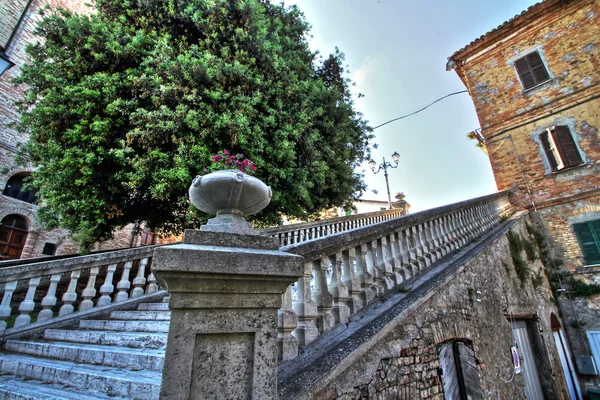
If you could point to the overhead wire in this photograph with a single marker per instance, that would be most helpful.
(420, 109)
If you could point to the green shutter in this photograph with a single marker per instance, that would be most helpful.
(588, 234)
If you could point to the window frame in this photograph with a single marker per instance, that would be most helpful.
(531, 69)
(560, 148)
(594, 232)
(15, 189)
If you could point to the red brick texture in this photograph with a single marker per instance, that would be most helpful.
(567, 36)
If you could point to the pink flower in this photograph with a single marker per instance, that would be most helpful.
(225, 152)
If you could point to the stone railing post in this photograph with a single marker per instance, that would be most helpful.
(226, 284)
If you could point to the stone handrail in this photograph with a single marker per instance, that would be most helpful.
(301, 232)
(347, 271)
(73, 285)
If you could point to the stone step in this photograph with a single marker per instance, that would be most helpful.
(125, 326)
(114, 356)
(127, 339)
(13, 388)
(111, 381)
(153, 307)
(141, 315)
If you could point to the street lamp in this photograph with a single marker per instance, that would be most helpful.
(385, 165)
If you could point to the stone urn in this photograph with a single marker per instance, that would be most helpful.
(229, 194)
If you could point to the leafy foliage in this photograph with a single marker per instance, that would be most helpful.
(124, 107)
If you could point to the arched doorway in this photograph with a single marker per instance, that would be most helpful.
(13, 233)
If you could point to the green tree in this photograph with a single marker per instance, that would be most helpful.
(125, 106)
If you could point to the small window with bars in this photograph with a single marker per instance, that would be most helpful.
(531, 70)
(560, 148)
(588, 234)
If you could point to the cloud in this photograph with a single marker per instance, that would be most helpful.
(365, 70)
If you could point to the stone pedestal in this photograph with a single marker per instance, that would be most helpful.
(225, 294)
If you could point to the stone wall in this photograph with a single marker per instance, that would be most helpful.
(405, 364)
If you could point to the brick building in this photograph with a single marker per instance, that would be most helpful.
(535, 83)
(20, 233)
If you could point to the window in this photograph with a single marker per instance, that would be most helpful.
(14, 189)
(531, 70)
(460, 376)
(588, 234)
(49, 249)
(147, 238)
(560, 148)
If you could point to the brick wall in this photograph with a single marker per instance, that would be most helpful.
(10, 11)
(405, 363)
(567, 35)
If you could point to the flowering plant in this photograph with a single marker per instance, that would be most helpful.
(224, 160)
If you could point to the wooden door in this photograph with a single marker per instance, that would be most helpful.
(13, 234)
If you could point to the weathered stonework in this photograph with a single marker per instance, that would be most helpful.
(405, 364)
(566, 36)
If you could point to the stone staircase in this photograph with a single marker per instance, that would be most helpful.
(88, 345)
(120, 357)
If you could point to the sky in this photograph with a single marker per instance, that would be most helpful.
(396, 51)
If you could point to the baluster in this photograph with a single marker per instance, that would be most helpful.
(416, 258)
(439, 238)
(5, 309)
(70, 295)
(396, 258)
(27, 305)
(295, 237)
(124, 283)
(336, 287)
(384, 263)
(366, 279)
(420, 248)
(152, 285)
(404, 245)
(306, 310)
(90, 290)
(352, 281)
(454, 231)
(50, 299)
(107, 288)
(469, 223)
(447, 235)
(140, 280)
(431, 245)
(322, 297)
(287, 321)
(373, 268)
(463, 235)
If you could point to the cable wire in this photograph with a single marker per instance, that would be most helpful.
(421, 109)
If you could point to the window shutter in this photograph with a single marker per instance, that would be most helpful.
(525, 74)
(531, 70)
(449, 373)
(566, 145)
(537, 67)
(470, 372)
(551, 153)
(588, 234)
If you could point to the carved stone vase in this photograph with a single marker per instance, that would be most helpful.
(229, 194)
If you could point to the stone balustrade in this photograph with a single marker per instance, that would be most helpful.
(298, 233)
(347, 271)
(40, 291)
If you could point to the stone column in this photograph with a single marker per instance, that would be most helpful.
(225, 295)
(226, 284)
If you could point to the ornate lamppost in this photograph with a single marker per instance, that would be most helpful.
(385, 165)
